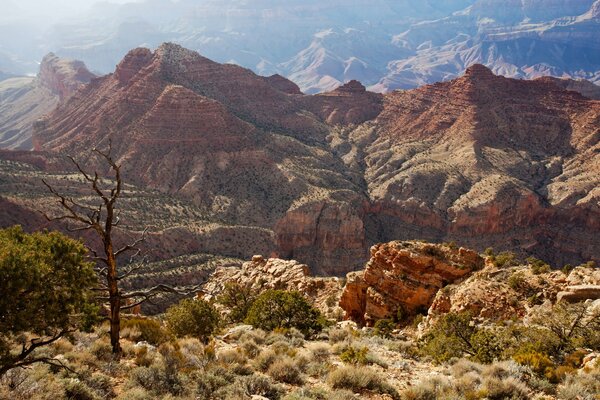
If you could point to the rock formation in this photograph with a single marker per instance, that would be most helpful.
(498, 294)
(262, 274)
(481, 160)
(24, 100)
(585, 88)
(402, 278)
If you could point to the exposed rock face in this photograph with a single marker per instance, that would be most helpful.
(576, 294)
(25, 100)
(245, 148)
(498, 294)
(63, 77)
(262, 274)
(481, 160)
(404, 277)
(586, 88)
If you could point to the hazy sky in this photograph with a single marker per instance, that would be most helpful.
(51, 8)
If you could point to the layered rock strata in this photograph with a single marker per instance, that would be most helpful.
(403, 278)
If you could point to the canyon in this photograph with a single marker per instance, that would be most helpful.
(481, 160)
(384, 44)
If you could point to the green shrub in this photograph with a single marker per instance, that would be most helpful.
(506, 259)
(238, 299)
(207, 384)
(450, 337)
(360, 379)
(384, 328)
(275, 309)
(77, 390)
(197, 318)
(353, 355)
(538, 362)
(286, 371)
(150, 330)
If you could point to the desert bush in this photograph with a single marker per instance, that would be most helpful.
(238, 299)
(246, 386)
(231, 356)
(538, 266)
(207, 384)
(432, 388)
(538, 362)
(318, 369)
(257, 336)
(193, 352)
(286, 371)
(320, 351)
(143, 357)
(78, 390)
(502, 389)
(581, 386)
(505, 259)
(320, 394)
(135, 393)
(250, 348)
(197, 318)
(264, 359)
(384, 328)
(163, 376)
(101, 384)
(360, 379)
(355, 355)
(102, 350)
(144, 329)
(281, 309)
(336, 335)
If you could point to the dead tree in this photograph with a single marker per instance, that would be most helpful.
(103, 219)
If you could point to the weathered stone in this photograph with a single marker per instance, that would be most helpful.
(402, 278)
(576, 294)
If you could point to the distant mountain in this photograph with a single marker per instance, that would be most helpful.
(24, 100)
(385, 44)
(516, 39)
(482, 160)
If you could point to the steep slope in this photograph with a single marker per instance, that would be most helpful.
(586, 88)
(482, 160)
(24, 100)
(487, 156)
(233, 142)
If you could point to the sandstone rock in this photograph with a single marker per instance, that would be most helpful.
(405, 277)
(494, 295)
(262, 274)
(576, 294)
(63, 77)
(26, 99)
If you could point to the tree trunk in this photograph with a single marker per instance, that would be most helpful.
(114, 300)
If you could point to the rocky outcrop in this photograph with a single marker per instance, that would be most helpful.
(24, 100)
(585, 88)
(497, 294)
(402, 278)
(576, 294)
(261, 274)
(63, 77)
